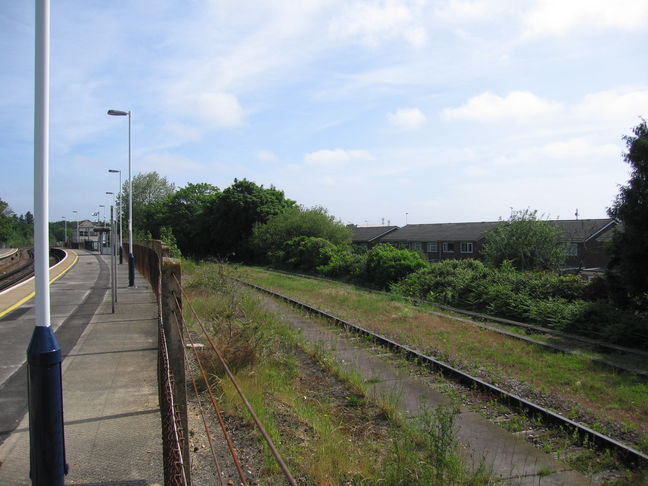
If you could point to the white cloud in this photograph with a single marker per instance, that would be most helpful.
(372, 24)
(407, 118)
(267, 156)
(522, 105)
(220, 109)
(559, 17)
(335, 157)
(621, 105)
(167, 163)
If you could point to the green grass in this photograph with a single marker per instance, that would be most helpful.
(327, 440)
(621, 397)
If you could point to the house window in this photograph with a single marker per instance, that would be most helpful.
(466, 247)
(572, 249)
(416, 246)
(448, 247)
(432, 247)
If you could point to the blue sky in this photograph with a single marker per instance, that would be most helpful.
(453, 110)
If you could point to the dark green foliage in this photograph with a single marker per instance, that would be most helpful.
(630, 245)
(15, 231)
(269, 238)
(345, 264)
(558, 302)
(528, 242)
(150, 191)
(229, 219)
(387, 264)
(305, 253)
(184, 212)
(167, 237)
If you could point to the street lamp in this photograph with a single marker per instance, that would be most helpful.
(64, 231)
(119, 199)
(77, 221)
(131, 257)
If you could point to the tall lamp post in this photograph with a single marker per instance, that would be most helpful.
(77, 232)
(44, 379)
(119, 199)
(131, 257)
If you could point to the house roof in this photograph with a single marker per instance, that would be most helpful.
(576, 231)
(582, 230)
(441, 231)
(369, 233)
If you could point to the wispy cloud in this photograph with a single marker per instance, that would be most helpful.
(335, 157)
(558, 18)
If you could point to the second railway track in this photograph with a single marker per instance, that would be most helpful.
(585, 434)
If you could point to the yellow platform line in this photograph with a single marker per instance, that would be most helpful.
(31, 295)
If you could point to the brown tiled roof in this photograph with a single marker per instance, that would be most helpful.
(366, 234)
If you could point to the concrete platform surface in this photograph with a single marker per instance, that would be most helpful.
(112, 420)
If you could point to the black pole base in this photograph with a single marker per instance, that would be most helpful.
(131, 270)
(45, 397)
(121, 257)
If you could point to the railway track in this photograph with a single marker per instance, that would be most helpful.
(26, 270)
(628, 455)
(530, 328)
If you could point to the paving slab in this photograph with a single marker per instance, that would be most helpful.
(112, 419)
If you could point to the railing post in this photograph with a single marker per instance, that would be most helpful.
(170, 297)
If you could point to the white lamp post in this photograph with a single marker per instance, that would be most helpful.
(77, 232)
(119, 199)
(44, 379)
(131, 257)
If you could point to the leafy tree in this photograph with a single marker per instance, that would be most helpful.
(270, 237)
(6, 227)
(184, 214)
(150, 190)
(528, 242)
(630, 245)
(387, 264)
(231, 217)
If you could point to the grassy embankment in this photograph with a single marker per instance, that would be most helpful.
(323, 425)
(620, 397)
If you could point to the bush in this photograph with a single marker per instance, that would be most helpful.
(344, 264)
(387, 264)
(307, 253)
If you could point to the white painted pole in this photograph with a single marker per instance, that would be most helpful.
(131, 256)
(41, 165)
(44, 379)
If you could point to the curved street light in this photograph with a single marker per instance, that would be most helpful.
(131, 257)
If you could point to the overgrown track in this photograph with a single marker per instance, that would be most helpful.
(626, 454)
(586, 342)
(26, 270)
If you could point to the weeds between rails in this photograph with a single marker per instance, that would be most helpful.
(327, 428)
(612, 403)
(581, 433)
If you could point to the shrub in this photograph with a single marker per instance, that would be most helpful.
(387, 264)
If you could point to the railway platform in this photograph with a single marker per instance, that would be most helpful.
(111, 411)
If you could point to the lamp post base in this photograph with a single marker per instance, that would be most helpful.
(131, 270)
(45, 399)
